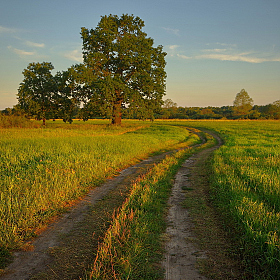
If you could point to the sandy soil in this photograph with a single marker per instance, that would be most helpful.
(181, 254)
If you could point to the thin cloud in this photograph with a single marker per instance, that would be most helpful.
(184, 56)
(21, 52)
(222, 44)
(29, 43)
(74, 55)
(173, 47)
(7, 30)
(231, 57)
(33, 44)
(172, 31)
(215, 50)
(231, 54)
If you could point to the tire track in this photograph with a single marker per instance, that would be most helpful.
(181, 253)
(26, 265)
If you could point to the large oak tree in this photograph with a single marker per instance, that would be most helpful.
(121, 68)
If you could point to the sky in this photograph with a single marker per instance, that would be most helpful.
(214, 48)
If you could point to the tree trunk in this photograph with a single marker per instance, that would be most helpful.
(44, 121)
(117, 113)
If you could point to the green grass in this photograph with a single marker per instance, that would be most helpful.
(245, 186)
(246, 182)
(132, 247)
(44, 170)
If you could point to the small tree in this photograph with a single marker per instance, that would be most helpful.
(38, 91)
(243, 103)
(169, 109)
(276, 109)
(168, 103)
(122, 68)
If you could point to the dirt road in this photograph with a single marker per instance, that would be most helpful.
(182, 254)
(50, 257)
(41, 261)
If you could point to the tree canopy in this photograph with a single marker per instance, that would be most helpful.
(37, 93)
(44, 96)
(122, 69)
(243, 103)
(123, 75)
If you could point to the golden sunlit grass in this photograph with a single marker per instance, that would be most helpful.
(132, 246)
(43, 170)
(16, 121)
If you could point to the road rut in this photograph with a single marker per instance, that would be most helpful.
(181, 252)
(27, 265)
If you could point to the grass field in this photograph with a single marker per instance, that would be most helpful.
(133, 244)
(44, 170)
(246, 182)
(246, 189)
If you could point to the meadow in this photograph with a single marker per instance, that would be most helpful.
(44, 170)
(245, 185)
(132, 247)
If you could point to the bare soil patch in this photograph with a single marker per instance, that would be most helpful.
(181, 254)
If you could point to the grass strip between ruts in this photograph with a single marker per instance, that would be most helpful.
(132, 245)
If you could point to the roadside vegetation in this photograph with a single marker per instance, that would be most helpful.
(10, 121)
(132, 247)
(245, 184)
(43, 171)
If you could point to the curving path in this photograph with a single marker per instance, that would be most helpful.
(31, 264)
(181, 254)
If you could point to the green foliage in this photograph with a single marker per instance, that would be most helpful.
(243, 103)
(67, 102)
(38, 91)
(122, 69)
(44, 96)
(273, 110)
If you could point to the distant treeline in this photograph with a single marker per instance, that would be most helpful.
(270, 111)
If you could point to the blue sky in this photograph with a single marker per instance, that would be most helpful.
(215, 47)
